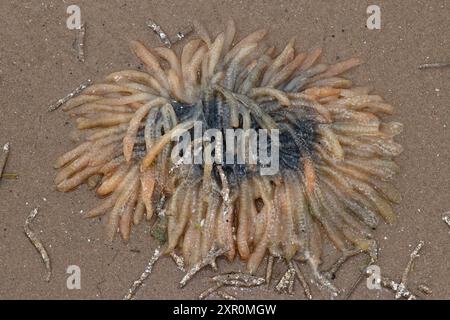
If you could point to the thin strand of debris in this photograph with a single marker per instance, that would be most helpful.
(237, 279)
(323, 282)
(156, 28)
(401, 289)
(226, 296)
(233, 279)
(269, 269)
(358, 281)
(372, 258)
(414, 255)
(337, 265)
(302, 280)
(148, 270)
(179, 261)
(424, 289)
(286, 281)
(37, 243)
(163, 36)
(10, 176)
(210, 290)
(182, 34)
(225, 191)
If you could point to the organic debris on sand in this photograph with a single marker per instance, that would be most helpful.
(148, 270)
(164, 38)
(74, 93)
(4, 158)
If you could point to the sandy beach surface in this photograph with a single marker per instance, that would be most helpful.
(38, 65)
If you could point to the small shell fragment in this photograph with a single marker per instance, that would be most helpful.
(446, 219)
(160, 33)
